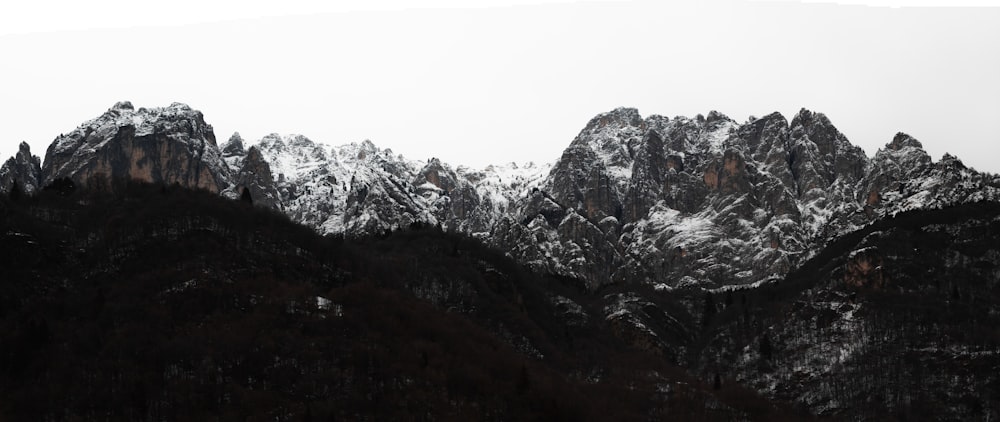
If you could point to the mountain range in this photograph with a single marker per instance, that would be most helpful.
(769, 254)
(671, 202)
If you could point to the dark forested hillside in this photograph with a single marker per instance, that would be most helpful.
(151, 302)
(898, 321)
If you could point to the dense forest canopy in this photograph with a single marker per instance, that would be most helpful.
(152, 302)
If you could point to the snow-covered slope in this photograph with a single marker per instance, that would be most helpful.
(358, 188)
(703, 201)
(674, 201)
(710, 202)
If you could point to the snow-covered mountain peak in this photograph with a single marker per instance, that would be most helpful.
(292, 156)
(806, 116)
(234, 145)
(619, 117)
(715, 116)
(169, 144)
(233, 152)
(702, 200)
(902, 140)
(951, 161)
(773, 116)
(123, 105)
(23, 170)
(905, 154)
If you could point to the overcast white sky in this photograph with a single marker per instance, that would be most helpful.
(505, 80)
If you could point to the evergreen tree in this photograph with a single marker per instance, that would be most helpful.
(523, 381)
(15, 191)
(64, 186)
(245, 197)
(709, 309)
(765, 347)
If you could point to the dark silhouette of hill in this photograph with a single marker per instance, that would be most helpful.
(153, 302)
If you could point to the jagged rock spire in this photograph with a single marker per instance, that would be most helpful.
(23, 169)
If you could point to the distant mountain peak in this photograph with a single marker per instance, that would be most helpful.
(902, 140)
(23, 169)
(677, 201)
(621, 116)
(170, 144)
(714, 116)
(234, 145)
(123, 105)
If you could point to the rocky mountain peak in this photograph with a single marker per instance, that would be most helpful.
(170, 144)
(619, 117)
(233, 152)
(902, 140)
(906, 153)
(366, 149)
(804, 115)
(300, 141)
(254, 154)
(23, 169)
(951, 161)
(676, 201)
(767, 140)
(123, 105)
(821, 158)
(255, 177)
(234, 146)
(715, 116)
(272, 141)
(775, 115)
(817, 127)
(435, 173)
(181, 107)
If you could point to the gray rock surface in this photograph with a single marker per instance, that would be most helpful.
(24, 170)
(170, 145)
(670, 202)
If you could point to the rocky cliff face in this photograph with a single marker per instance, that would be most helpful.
(358, 188)
(169, 145)
(772, 253)
(353, 189)
(711, 202)
(671, 202)
(23, 170)
(254, 176)
(233, 152)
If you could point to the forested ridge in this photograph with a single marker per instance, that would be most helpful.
(132, 301)
(896, 321)
(154, 302)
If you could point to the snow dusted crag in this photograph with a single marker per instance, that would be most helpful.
(672, 202)
(23, 170)
(169, 145)
(358, 189)
(887, 297)
(710, 202)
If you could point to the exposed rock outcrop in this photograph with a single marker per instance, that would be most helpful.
(255, 177)
(671, 202)
(23, 170)
(169, 145)
(233, 152)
